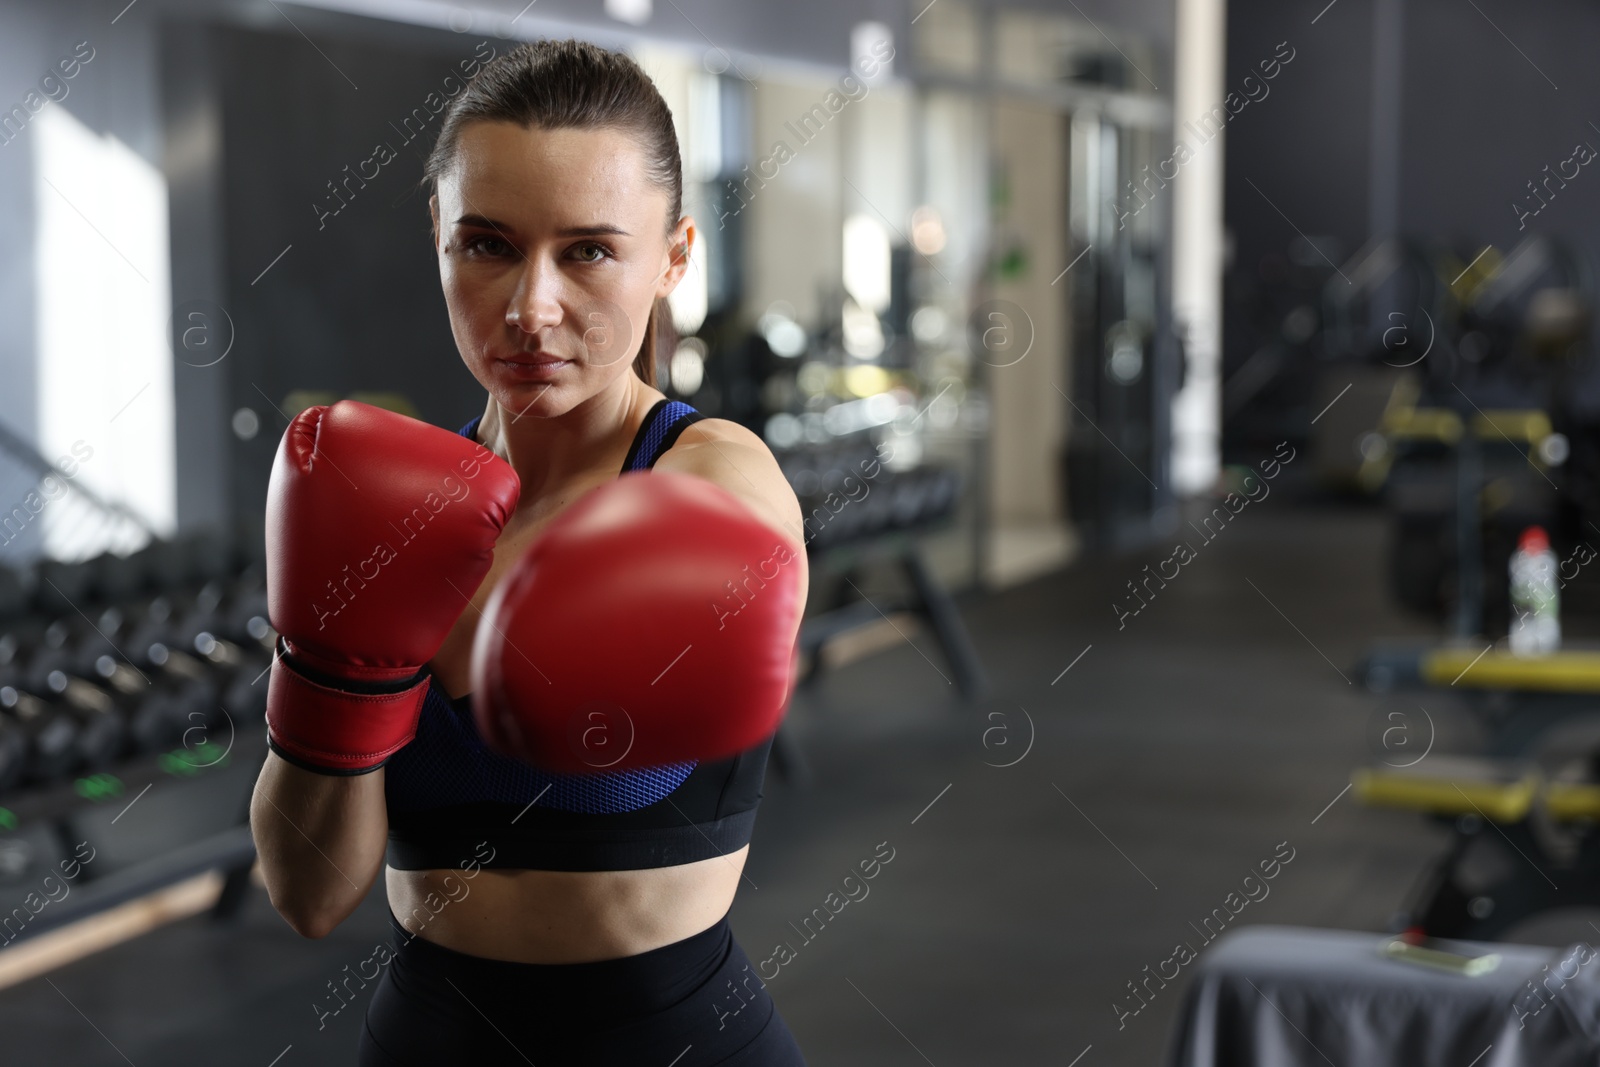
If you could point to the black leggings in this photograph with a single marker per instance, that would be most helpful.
(694, 1003)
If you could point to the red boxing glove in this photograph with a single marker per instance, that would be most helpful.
(653, 621)
(379, 530)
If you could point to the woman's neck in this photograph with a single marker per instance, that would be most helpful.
(548, 452)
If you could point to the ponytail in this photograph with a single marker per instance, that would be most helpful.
(660, 341)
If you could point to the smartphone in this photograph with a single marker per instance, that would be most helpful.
(1471, 966)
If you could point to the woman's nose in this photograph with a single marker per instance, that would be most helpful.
(536, 302)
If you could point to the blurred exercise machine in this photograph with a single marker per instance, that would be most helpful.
(1493, 427)
(1491, 424)
(1522, 839)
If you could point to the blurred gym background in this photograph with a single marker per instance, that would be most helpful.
(1224, 354)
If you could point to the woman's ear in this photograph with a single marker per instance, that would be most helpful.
(686, 239)
(679, 244)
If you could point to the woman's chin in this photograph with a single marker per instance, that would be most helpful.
(532, 399)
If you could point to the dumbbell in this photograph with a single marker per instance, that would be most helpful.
(246, 695)
(56, 650)
(210, 629)
(102, 730)
(159, 706)
(52, 674)
(247, 621)
(875, 510)
(49, 735)
(192, 684)
(75, 648)
(803, 480)
(155, 626)
(231, 626)
(166, 717)
(13, 754)
(17, 643)
(160, 693)
(64, 722)
(908, 501)
(947, 488)
(154, 702)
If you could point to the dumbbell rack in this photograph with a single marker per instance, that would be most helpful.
(83, 827)
(859, 514)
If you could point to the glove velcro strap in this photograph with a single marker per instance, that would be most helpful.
(333, 730)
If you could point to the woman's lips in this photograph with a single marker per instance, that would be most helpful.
(533, 366)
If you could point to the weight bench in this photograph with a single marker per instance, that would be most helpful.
(1545, 832)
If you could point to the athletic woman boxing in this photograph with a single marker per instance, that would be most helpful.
(570, 905)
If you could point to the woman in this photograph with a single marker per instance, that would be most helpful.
(599, 934)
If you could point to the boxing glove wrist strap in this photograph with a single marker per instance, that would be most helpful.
(338, 726)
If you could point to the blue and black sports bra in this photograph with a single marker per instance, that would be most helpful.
(448, 794)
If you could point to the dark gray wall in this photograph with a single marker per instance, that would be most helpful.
(1482, 120)
(354, 304)
(1305, 145)
(1477, 122)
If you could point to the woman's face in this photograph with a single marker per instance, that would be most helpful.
(552, 249)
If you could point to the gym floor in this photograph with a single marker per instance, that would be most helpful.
(1174, 756)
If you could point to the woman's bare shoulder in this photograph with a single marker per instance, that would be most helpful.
(739, 461)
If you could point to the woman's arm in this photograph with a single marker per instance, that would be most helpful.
(321, 840)
(360, 604)
(740, 462)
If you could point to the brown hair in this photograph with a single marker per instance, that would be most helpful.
(577, 85)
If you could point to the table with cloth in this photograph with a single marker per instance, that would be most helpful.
(1281, 996)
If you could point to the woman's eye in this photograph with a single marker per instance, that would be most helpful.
(485, 244)
(600, 252)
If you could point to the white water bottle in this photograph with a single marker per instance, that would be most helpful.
(1535, 601)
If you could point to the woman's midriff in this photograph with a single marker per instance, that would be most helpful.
(564, 916)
